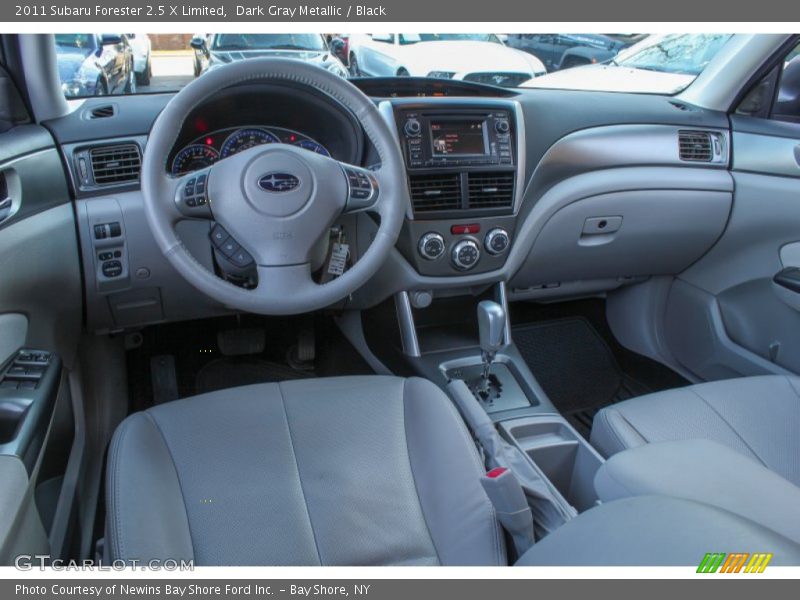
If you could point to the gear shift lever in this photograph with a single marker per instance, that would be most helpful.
(492, 326)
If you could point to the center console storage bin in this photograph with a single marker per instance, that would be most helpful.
(561, 454)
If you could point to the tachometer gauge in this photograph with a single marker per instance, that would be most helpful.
(194, 157)
(244, 139)
(313, 147)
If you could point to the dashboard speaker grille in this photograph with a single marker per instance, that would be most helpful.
(695, 146)
(435, 192)
(116, 164)
(491, 190)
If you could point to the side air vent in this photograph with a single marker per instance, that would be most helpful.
(491, 190)
(435, 192)
(115, 164)
(102, 112)
(695, 146)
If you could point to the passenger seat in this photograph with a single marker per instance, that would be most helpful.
(758, 417)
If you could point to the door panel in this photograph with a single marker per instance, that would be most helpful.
(758, 320)
(41, 310)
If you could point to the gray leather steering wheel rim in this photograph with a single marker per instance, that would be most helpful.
(282, 289)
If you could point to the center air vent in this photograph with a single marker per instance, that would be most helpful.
(115, 164)
(695, 146)
(435, 192)
(491, 190)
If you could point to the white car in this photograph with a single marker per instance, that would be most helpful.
(662, 64)
(142, 64)
(481, 58)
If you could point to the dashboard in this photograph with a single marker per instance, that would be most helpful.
(551, 191)
(219, 144)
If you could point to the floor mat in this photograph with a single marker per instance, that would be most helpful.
(576, 368)
(227, 372)
(199, 365)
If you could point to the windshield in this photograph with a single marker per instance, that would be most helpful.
(99, 64)
(682, 54)
(268, 41)
(82, 41)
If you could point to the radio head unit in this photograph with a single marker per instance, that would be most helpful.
(456, 137)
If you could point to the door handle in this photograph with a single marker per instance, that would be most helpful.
(788, 278)
(5, 208)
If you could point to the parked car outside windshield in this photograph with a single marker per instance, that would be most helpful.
(99, 64)
(662, 64)
(480, 58)
(219, 49)
(91, 64)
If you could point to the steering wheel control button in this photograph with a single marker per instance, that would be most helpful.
(241, 258)
(188, 190)
(200, 188)
(193, 195)
(496, 241)
(229, 247)
(431, 246)
(362, 189)
(218, 235)
(465, 255)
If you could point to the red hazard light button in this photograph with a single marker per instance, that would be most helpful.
(465, 229)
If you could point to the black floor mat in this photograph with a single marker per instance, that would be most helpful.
(228, 372)
(577, 362)
(199, 365)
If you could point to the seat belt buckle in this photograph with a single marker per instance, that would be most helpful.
(511, 506)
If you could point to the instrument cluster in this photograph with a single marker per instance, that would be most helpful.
(207, 149)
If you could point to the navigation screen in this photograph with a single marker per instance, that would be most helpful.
(457, 137)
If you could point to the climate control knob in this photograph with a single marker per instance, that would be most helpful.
(431, 246)
(465, 255)
(496, 241)
(502, 127)
(412, 128)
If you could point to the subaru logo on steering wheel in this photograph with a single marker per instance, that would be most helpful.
(278, 182)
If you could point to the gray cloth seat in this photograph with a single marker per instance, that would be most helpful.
(355, 471)
(758, 417)
(343, 471)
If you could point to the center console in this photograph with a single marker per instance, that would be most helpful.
(480, 351)
(464, 162)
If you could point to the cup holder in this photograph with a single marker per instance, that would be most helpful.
(560, 453)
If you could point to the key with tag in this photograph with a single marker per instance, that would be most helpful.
(339, 253)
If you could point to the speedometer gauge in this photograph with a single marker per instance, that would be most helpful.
(244, 139)
(313, 147)
(194, 157)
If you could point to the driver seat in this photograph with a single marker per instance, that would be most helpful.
(341, 471)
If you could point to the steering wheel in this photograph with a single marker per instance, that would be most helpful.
(276, 201)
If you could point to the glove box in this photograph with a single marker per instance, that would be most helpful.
(625, 234)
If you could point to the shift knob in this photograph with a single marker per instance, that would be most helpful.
(492, 326)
